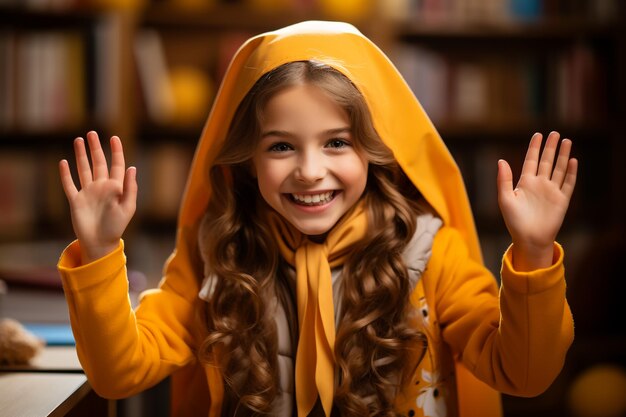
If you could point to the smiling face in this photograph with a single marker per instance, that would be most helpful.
(305, 162)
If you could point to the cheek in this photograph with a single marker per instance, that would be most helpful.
(362, 183)
(269, 178)
(357, 176)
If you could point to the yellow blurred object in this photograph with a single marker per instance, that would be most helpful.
(349, 10)
(599, 391)
(124, 5)
(270, 5)
(192, 90)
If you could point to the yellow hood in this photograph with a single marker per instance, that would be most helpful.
(398, 117)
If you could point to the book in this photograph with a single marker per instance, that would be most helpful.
(45, 80)
(154, 76)
(54, 334)
(107, 69)
(470, 93)
(166, 172)
(7, 79)
(18, 192)
(427, 74)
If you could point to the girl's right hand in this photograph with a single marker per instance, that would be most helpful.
(106, 201)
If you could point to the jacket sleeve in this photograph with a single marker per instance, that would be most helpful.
(514, 339)
(123, 351)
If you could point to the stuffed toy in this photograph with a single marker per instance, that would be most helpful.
(17, 345)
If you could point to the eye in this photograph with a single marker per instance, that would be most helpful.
(337, 143)
(280, 147)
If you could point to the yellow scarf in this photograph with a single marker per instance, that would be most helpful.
(315, 364)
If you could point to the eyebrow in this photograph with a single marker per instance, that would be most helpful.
(286, 134)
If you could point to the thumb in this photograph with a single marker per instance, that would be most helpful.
(129, 198)
(505, 179)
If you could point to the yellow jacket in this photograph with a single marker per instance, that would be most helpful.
(515, 343)
(518, 348)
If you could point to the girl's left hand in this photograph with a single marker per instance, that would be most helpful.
(534, 210)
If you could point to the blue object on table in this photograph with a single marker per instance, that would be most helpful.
(54, 334)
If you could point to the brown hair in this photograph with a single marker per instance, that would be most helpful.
(375, 345)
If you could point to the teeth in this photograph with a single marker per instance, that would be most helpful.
(313, 199)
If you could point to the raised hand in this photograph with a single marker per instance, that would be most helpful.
(534, 210)
(106, 201)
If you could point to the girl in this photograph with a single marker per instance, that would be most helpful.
(326, 259)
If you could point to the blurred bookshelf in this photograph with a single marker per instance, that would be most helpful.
(488, 73)
(489, 77)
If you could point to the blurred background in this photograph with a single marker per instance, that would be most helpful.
(489, 74)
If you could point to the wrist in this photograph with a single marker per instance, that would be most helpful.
(89, 253)
(528, 257)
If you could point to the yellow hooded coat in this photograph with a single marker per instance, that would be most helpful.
(515, 343)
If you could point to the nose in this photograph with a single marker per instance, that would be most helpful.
(311, 168)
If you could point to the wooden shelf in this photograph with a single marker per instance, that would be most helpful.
(521, 131)
(46, 138)
(153, 132)
(38, 20)
(540, 30)
(179, 28)
(220, 18)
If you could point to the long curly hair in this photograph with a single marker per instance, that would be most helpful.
(376, 346)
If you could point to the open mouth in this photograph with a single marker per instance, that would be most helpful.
(313, 199)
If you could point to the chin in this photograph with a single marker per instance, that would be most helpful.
(313, 231)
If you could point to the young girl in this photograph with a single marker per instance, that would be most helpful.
(326, 258)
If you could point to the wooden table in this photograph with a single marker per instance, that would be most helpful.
(53, 384)
(41, 394)
(50, 359)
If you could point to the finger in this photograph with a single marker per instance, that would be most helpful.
(100, 170)
(66, 180)
(570, 178)
(117, 159)
(547, 156)
(532, 155)
(82, 163)
(560, 168)
(505, 180)
(129, 198)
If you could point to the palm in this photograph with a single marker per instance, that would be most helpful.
(103, 207)
(97, 220)
(535, 209)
